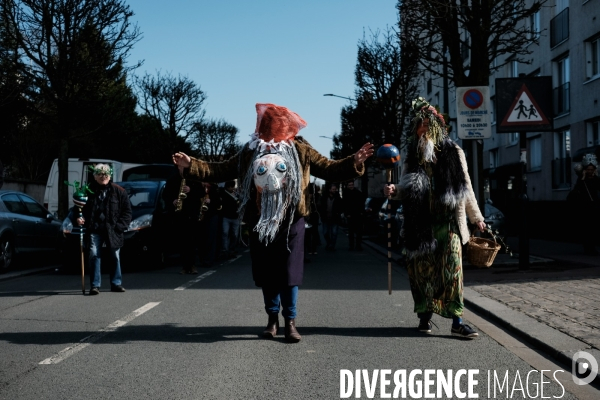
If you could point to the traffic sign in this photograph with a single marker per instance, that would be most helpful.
(524, 104)
(473, 112)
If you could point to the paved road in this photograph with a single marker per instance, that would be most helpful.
(201, 341)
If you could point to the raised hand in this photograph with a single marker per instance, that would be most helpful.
(182, 161)
(365, 152)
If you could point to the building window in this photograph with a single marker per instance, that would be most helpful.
(535, 149)
(513, 138)
(534, 26)
(559, 26)
(562, 78)
(494, 160)
(593, 133)
(561, 165)
(429, 85)
(592, 57)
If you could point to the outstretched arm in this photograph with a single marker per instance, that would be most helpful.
(195, 169)
(339, 170)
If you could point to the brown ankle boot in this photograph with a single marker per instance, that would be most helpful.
(291, 334)
(272, 326)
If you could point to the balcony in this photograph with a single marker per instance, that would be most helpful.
(562, 99)
(559, 28)
(561, 173)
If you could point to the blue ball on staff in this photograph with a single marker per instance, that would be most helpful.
(388, 155)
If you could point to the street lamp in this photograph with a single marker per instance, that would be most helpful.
(341, 97)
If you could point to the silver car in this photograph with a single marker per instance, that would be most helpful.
(25, 227)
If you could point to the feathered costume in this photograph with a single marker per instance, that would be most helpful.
(436, 193)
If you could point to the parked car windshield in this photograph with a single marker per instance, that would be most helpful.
(141, 194)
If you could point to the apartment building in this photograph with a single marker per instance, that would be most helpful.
(569, 52)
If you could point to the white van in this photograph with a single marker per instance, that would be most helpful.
(78, 171)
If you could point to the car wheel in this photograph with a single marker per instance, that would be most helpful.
(7, 253)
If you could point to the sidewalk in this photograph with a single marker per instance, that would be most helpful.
(554, 304)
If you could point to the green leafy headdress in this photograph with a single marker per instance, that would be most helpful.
(420, 110)
(100, 169)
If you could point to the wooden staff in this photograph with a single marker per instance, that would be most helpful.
(388, 175)
(82, 258)
(389, 156)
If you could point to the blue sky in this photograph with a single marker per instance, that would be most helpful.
(265, 51)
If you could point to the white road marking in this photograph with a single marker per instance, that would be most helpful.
(198, 279)
(86, 341)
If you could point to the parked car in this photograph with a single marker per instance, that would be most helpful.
(26, 227)
(397, 220)
(493, 217)
(146, 240)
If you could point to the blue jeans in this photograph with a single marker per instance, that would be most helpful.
(330, 230)
(109, 256)
(285, 297)
(231, 229)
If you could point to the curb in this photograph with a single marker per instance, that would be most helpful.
(557, 344)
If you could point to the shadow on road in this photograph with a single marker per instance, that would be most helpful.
(210, 334)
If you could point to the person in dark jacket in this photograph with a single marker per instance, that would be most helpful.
(184, 214)
(354, 208)
(311, 236)
(106, 216)
(585, 197)
(231, 222)
(209, 224)
(331, 216)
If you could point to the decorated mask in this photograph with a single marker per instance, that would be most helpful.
(269, 173)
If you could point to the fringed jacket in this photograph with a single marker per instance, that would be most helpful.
(452, 187)
(311, 161)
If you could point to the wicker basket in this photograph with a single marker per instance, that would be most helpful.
(482, 252)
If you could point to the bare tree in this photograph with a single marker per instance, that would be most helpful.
(174, 102)
(214, 140)
(474, 35)
(385, 80)
(72, 49)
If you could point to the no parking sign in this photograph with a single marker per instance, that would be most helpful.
(474, 114)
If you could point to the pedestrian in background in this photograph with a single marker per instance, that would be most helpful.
(211, 204)
(182, 204)
(231, 222)
(311, 236)
(106, 216)
(354, 209)
(437, 197)
(585, 198)
(331, 216)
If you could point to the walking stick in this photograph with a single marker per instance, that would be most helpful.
(79, 199)
(82, 258)
(389, 156)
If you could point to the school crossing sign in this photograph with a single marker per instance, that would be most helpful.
(473, 112)
(524, 104)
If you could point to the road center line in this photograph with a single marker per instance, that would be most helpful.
(198, 279)
(86, 341)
